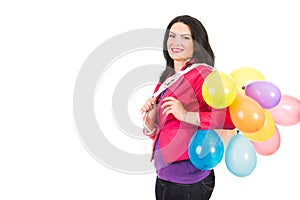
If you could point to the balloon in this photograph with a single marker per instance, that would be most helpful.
(246, 114)
(219, 90)
(265, 93)
(264, 133)
(206, 149)
(270, 146)
(240, 156)
(287, 112)
(245, 75)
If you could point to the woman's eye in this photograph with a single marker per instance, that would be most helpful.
(171, 36)
(186, 38)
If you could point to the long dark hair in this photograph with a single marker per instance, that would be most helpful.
(202, 50)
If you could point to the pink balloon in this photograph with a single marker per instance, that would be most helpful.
(269, 146)
(287, 112)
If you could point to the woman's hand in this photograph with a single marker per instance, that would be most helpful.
(148, 105)
(148, 112)
(175, 107)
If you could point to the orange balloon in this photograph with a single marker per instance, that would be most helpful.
(266, 132)
(246, 114)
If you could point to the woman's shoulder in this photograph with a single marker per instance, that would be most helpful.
(200, 69)
(202, 66)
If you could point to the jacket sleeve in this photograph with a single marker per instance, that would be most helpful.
(216, 119)
(210, 118)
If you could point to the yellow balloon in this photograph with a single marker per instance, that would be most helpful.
(219, 90)
(264, 133)
(245, 75)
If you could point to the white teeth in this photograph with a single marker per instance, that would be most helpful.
(177, 50)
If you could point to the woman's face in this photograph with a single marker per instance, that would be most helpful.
(180, 43)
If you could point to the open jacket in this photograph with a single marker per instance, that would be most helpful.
(175, 135)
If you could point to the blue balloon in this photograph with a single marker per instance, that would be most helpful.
(240, 156)
(206, 149)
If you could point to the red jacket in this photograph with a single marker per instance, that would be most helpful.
(175, 135)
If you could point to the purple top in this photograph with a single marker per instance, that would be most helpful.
(182, 172)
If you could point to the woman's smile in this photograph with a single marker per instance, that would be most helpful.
(177, 50)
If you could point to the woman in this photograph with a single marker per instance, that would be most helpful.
(177, 109)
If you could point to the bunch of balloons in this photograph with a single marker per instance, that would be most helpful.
(256, 107)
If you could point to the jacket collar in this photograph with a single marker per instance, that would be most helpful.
(188, 63)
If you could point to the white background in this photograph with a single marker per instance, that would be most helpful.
(43, 46)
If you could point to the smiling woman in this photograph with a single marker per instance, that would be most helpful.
(180, 44)
(177, 110)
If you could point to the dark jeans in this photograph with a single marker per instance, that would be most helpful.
(165, 190)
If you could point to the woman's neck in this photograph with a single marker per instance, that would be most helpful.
(178, 64)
